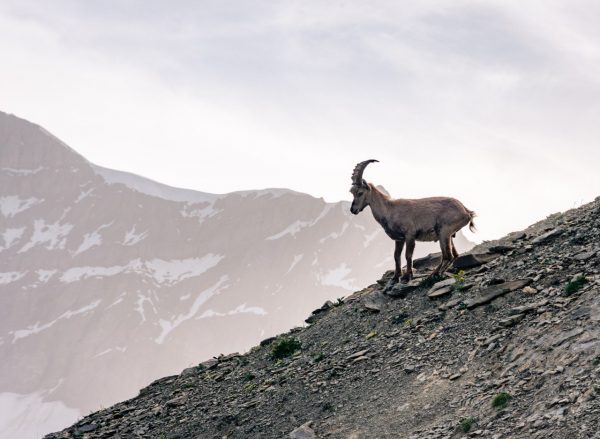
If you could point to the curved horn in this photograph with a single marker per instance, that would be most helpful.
(358, 172)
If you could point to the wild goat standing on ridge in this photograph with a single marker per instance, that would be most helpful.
(407, 221)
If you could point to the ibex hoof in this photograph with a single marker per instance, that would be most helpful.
(391, 283)
(406, 278)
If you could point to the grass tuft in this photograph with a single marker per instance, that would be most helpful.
(248, 376)
(285, 347)
(466, 424)
(318, 357)
(575, 285)
(500, 401)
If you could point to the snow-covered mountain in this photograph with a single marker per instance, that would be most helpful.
(109, 280)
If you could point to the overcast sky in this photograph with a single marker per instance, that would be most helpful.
(496, 103)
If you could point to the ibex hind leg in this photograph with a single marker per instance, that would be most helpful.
(446, 246)
(454, 252)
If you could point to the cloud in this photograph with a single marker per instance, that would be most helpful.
(495, 103)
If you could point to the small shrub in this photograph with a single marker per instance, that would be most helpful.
(460, 278)
(575, 285)
(501, 400)
(285, 347)
(248, 376)
(466, 424)
(408, 322)
(596, 361)
(327, 407)
(318, 357)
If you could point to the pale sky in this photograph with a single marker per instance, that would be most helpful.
(496, 103)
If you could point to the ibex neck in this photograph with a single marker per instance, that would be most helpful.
(378, 203)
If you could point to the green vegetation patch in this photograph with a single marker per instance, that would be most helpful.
(285, 347)
(466, 424)
(575, 285)
(459, 277)
(248, 376)
(318, 357)
(500, 401)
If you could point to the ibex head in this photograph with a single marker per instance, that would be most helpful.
(360, 189)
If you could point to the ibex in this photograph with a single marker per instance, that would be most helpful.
(407, 221)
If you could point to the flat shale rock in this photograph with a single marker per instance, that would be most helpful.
(375, 301)
(495, 291)
(440, 292)
(464, 262)
(548, 236)
(429, 261)
(303, 432)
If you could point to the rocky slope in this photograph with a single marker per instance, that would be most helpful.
(507, 348)
(109, 280)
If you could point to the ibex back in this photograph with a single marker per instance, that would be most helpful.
(408, 221)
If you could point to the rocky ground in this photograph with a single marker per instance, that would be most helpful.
(507, 346)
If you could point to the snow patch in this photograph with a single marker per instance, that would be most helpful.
(45, 275)
(140, 306)
(162, 271)
(297, 259)
(34, 329)
(176, 270)
(10, 277)
(11, 236)
(292, 229)
(335, 235)
(242, 309)
(201, 214)
(296, 226)
(169, 325)
(152, 188)
(118, 300)
(104, 352)
(271, 192)
(76, 274)
(89, 240)
(13, 204)
(22, 171)
(30, 417)
(132, 238)
(84, 194)
(337, 278)
(54, 235)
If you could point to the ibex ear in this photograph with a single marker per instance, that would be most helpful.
(366, 185)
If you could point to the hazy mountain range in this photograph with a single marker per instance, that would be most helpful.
(109, 280)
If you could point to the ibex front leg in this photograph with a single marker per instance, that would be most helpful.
(397, 256)
(410, 248)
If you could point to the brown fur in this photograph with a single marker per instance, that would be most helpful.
(407, 221)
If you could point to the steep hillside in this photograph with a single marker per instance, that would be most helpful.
(109, 280)
(507, 348)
